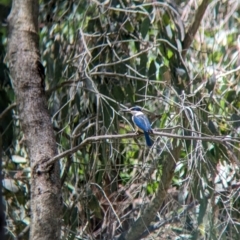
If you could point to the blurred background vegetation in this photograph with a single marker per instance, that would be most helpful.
(103, 56)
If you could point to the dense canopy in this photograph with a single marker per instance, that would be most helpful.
(180, 62)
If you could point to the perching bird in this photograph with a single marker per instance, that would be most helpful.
(142, 123)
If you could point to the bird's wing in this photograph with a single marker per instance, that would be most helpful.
(142, 122)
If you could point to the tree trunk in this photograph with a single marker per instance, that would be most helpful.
(27, 75)
(2, 216)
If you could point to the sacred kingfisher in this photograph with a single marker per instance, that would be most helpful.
(142, 123)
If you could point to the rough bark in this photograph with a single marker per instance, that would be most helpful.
(2, 217)
(27, 75)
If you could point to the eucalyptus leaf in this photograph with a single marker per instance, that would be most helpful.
(145, 27)
(18, 159)
(10, 185)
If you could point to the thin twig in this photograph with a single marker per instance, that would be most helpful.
(109, 202)
(10, 107)
(175, 218)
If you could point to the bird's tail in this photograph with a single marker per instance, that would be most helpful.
(148, 139)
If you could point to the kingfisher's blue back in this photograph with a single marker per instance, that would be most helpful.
(143, 124)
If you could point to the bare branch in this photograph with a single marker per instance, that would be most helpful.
(194, 27)
(217, 139)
